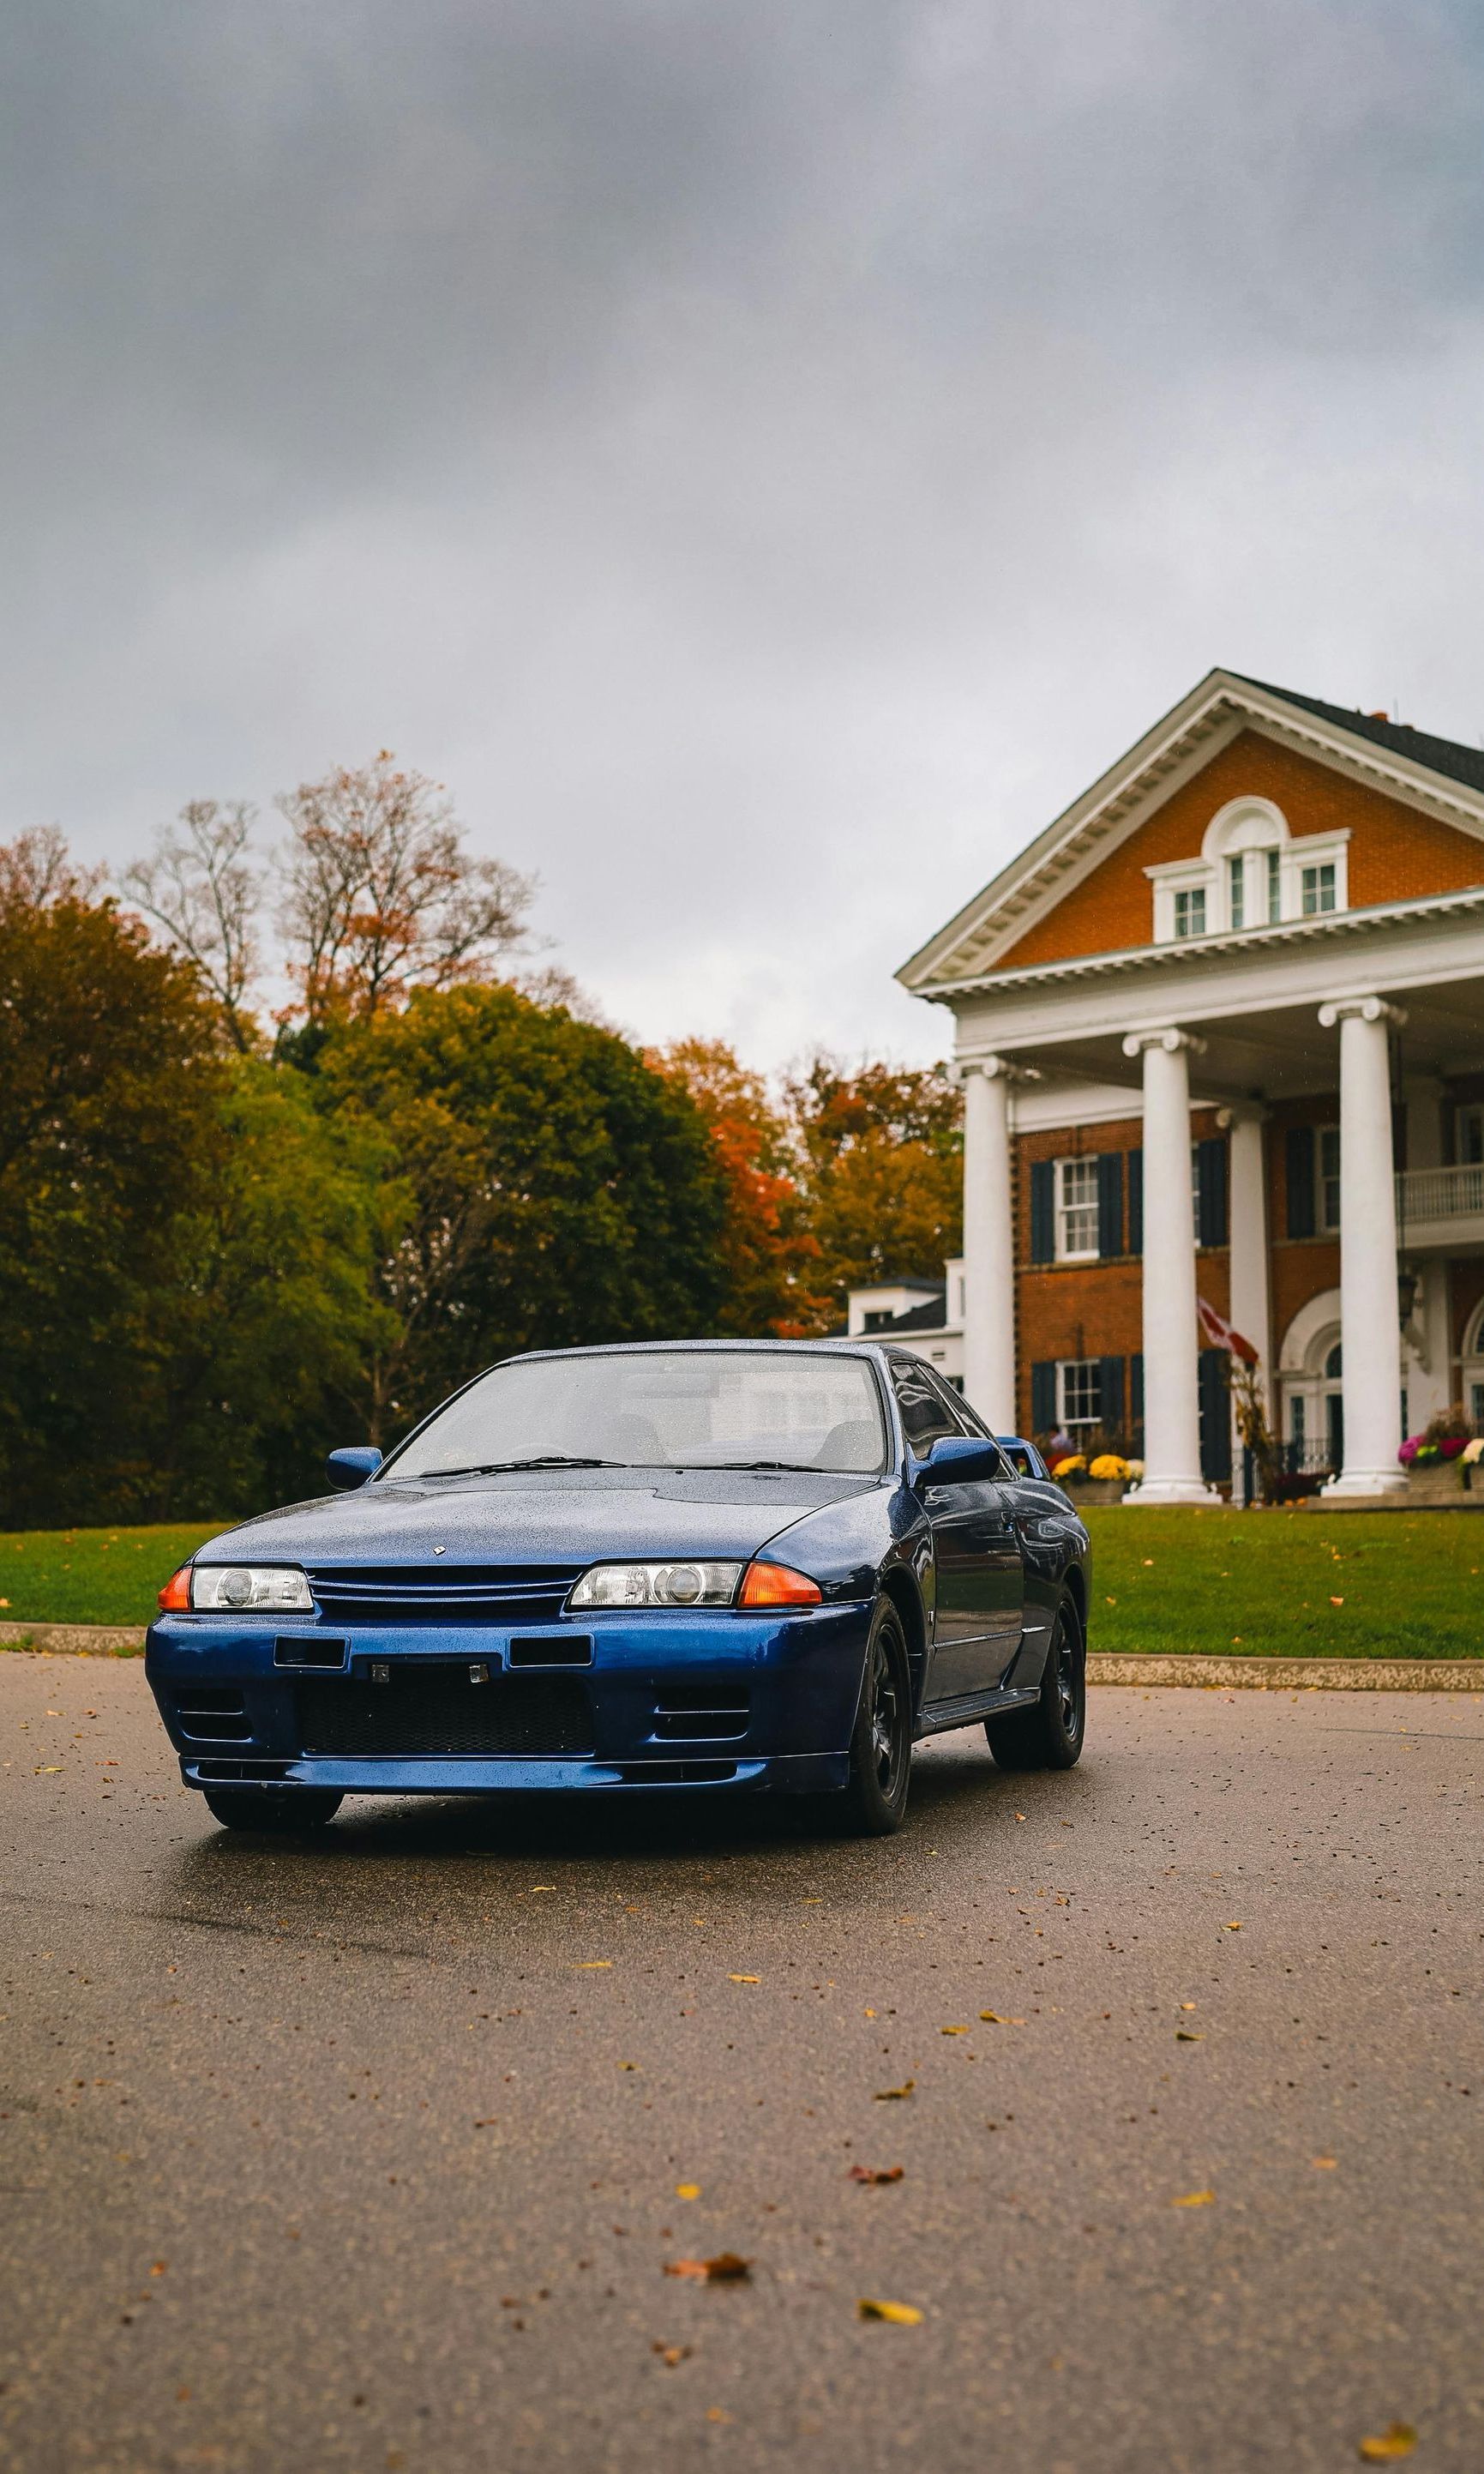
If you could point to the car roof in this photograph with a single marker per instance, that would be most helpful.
(838, 1348)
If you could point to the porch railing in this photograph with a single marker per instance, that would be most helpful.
(1440, 1193)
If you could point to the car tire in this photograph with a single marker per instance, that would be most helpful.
(280, 1816)
(874, 1803)
(1050, 1736)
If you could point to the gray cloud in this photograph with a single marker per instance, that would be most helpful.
(765, 459)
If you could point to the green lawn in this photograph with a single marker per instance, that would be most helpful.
(102, 1576)
(1265, 1583)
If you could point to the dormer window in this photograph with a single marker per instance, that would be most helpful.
(1251, 873)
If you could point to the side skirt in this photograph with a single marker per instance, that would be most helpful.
(942, 1716)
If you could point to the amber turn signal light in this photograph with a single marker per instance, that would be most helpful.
(175, 1598)
(773, 1585)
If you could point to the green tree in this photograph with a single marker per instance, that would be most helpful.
(111, 1089)
(272, 1314)
(881, 1162)
(544, 1187)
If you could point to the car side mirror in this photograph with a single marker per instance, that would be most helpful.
(961, 1459)
(352, 1466)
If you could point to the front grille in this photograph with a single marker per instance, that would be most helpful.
(441, 1712)
(212, 1713)
(702, 1714)
(431, 1592)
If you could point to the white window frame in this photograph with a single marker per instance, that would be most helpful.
(1240, 848)
(1091, 1368)
(1085, 1165)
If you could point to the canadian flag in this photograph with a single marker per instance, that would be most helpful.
(1217, 1333)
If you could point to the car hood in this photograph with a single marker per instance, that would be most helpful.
(584, 1515)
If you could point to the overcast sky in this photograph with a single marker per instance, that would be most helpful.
(764, 457)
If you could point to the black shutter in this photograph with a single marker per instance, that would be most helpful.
(1111, 1372)
(1043, 1211)
(1043, 1397)
(1213, 1190)
(1299, 1164)
(1110, 1203)
(1215, 1416)
(1136, 1203)
(1137, 1391)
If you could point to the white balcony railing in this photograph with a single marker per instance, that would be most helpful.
(1426, 1193)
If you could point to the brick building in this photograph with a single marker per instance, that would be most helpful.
(1221, 1033)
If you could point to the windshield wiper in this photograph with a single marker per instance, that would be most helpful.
(540, 1460)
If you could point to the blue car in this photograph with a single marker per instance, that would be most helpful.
(718, 1565)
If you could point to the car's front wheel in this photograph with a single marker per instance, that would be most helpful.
(281, 1815)
(875, 1799)
(1050, 1736)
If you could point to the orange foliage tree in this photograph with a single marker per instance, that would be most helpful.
(771, 1255)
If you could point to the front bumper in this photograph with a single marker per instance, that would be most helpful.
(723, 1701)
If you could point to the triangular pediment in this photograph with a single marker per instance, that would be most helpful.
(1436, 778)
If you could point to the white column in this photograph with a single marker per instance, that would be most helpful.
(1368, 1251)
(1251, 1310)
(988, 1244)
(1172, 1409)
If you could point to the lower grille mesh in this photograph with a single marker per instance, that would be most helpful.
(444, 1713)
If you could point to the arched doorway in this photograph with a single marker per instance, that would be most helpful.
(1310, 1385)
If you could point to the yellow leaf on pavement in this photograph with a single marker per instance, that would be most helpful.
(1397, 2440)
(594, 1962)
(687, 2190)
(892, 2095)
(1193, 2200)
(952, 2031)
(994, 2019)
(744, 1979)
(901, 2315)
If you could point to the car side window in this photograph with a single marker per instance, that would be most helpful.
(924, 1415)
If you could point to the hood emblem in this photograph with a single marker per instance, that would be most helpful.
(439, 1550)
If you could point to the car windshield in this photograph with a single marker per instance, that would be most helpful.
(667, 1408)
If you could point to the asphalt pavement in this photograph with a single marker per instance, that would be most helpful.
(373, 2153)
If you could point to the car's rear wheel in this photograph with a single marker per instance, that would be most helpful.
(875, 1799)
(1050, 1736)
(281, 1815)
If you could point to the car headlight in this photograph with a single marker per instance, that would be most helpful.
(243, 1587)
(658, 1585)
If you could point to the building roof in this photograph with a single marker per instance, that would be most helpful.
(925, 1317)
(1446, 756)
(1439, 776)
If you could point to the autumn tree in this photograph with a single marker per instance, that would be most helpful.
(201, 886)
(881, 1166)
(543, 1187)
(769, 1256)
(381, 897)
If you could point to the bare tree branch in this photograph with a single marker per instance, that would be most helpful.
(381, 896)
(201, 887)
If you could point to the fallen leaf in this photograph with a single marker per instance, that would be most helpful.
(717, 2413)
(628, 2066)
(160, 2267)
(48, 1769)
(953, 2031)
(725, 2268)
(892, 2095)
(1233, 1928)
(687, 2190)
(1188, 2036)
(670, 2355)
(1187, 2006)
(877, 2173)
(1019, 1816)
(489, 2122)
(1323, 2163)
(744, 1979)
(594, 1962)
(901, 2315)
(1337, 1602)
(1193, 2200)
(1397, 2440)
(993, 2019)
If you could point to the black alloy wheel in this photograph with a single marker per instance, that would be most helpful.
(1050, 1736)
(875, 1799)
(281, 1817)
